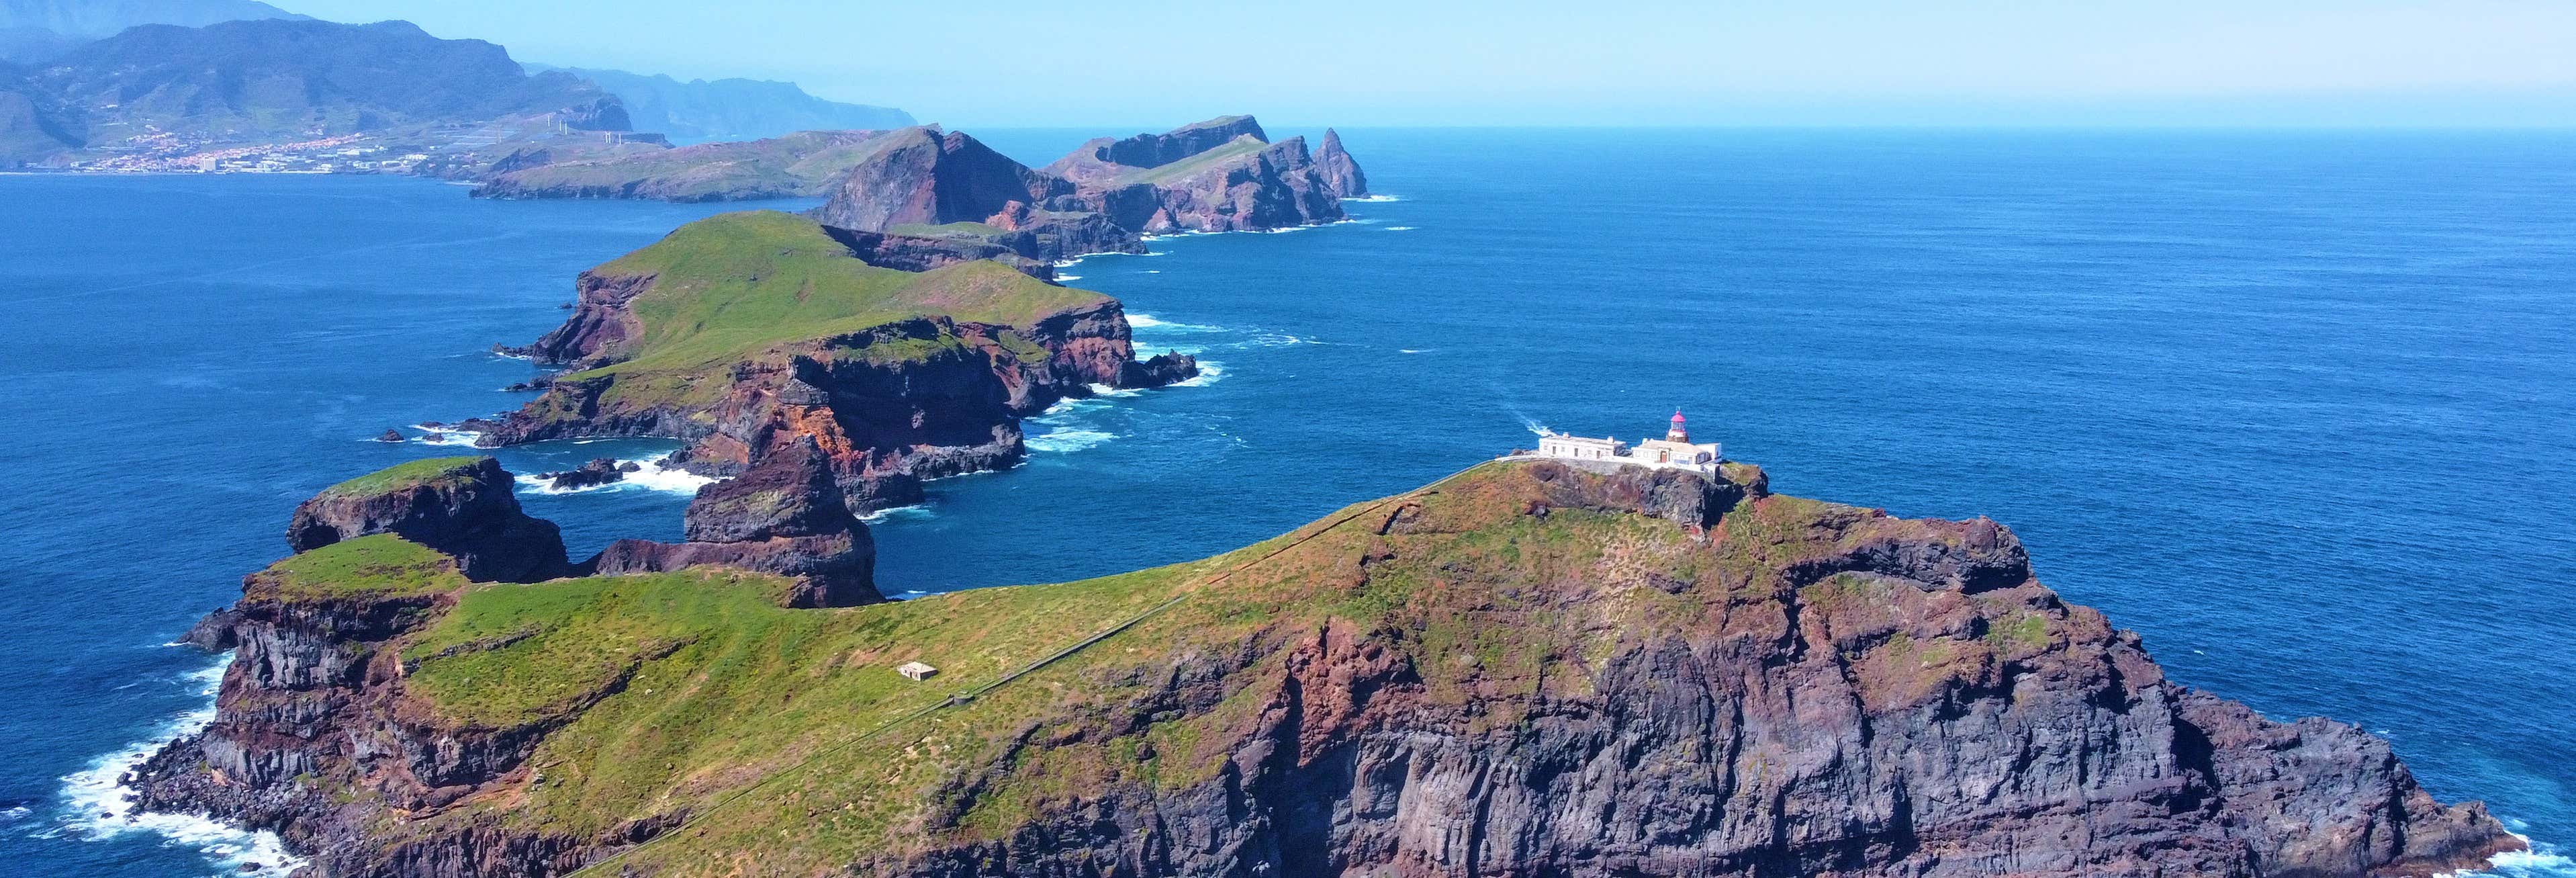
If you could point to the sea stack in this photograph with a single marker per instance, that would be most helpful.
(462, 506)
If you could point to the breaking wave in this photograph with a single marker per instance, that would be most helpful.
(99, 806)
(443, 436)
(1060, 441)
(1373, 199)
(652, 477)
(1150, 322)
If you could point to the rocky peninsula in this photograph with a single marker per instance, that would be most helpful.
(920, 197)
(1530, 668)
(747, 334)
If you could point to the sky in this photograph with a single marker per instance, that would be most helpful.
(1153, 63)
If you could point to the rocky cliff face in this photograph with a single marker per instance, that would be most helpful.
(1270, 187)
(1101, 158)
(1219, 175)
(924, 253)
(1341, 173)
(462, 506)
(783, 515)
(1530, 669)
(922, 176)
(1870, 696)
(890, 405)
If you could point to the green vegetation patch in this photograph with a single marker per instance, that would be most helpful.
(406, 476)
(378, 565)
(728, 287)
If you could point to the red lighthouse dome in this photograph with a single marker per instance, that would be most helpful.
(1680, 432)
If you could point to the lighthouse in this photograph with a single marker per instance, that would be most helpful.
(1680, 431)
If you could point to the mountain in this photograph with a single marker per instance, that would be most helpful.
(1531, 668)
(36, 30)
(732, 109)
(268, 80)
(746, 333)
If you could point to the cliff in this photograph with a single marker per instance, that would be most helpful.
(1219, 175)
(1526, 669)
(745, 333)
(783, 516)
(799, 165)
(1340, 172)
(921, 176)
(462, 506)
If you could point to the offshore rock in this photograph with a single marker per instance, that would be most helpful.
(784, 515)
(1341, 173)
(461, 506)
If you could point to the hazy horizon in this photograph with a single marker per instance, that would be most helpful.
(1848, 63)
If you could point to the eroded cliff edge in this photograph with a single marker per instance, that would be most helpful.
(1527, 669)
(744, 334)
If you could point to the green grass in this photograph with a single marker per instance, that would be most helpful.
(1233, 149)
(695, 692)
(731, 286)
(379, 565)
(405, 476)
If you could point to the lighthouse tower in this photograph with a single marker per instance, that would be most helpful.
(1680, 431)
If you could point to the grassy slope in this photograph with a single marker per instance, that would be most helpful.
(797, 162)
(1233, 149)
(729, 287)
(379, 565)
(770, 723)
(403, 476)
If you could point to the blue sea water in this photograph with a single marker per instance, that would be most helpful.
(2297, 407)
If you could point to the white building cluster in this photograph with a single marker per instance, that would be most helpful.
(1675, 450)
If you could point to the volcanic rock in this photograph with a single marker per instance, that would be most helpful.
(1341, 173)
(784, 515)
(462, 506)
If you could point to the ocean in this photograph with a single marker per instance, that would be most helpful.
(2300, 408)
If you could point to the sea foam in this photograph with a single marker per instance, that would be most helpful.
(652, 477)
(99, 806)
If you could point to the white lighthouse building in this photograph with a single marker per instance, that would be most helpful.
(1675, 450)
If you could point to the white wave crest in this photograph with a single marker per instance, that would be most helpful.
(444, 436)
(1414, 350)
(652, 477)
(2540, 861)
(1156, 324)
(1067, 277)
(1210, 372)
(98, 805)
(1063, 441)
(1397, 229)
(1373, 199)
(913, 512)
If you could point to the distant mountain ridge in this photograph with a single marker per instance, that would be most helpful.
(731, 109)
(267, 80)
(37, 30)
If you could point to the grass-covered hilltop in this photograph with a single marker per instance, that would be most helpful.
(1529, 668)
(745, 333)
